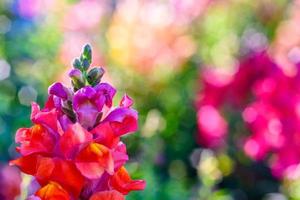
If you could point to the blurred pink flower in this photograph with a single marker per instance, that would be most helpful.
(33, 8)
(212, 126)
(266, 128)
(186, 11)
(250, 70)
(270, 105)
(10, 182)
(215, 83)
(85, 15)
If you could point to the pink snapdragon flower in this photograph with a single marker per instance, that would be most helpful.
(269, 103)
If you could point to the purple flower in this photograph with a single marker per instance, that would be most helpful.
(88, 103)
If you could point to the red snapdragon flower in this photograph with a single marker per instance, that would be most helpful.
(73, 149)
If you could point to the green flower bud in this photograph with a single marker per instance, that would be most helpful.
(94, 76)
(77, 64)
(85, 64)
(87, 53)
(86, 57)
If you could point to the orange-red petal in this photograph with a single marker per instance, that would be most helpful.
(52, 191)
(27, 164)
(107, 195)
(47, 169)
(122, 182)
(93, 160)
(36, 139)
(61, 171)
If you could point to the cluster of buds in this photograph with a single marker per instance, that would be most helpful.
(268, 101)
(73, 150)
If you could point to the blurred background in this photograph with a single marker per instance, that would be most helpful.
(216, 84)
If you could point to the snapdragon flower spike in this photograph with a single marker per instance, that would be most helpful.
(74, 149)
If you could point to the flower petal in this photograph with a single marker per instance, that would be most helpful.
(94, 160)
(126, 101)
(120, 155)
(73, 138)
(106, 90)
(104, 134)
(61, 171)
(122, 182)
(107, 195)
(47, 119)
(58, 89)
(52, 191)
(34, 140)
(122, 120)
(87, 106)
(27, 164)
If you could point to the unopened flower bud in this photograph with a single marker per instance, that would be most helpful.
(85, 63)
(94, 76)
(86, 57)
(77, 79)
(87, 52)
(77, 63)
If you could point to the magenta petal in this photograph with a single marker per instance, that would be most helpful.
(88, 103)
(122, 120)
(87, 115)
(46, 118)
(84, 93)
(59, 90)
(85, 106)
(75, 73)
(126, 101)
(108, 91)
(35, 109)
(65, 121)
(120, 155)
